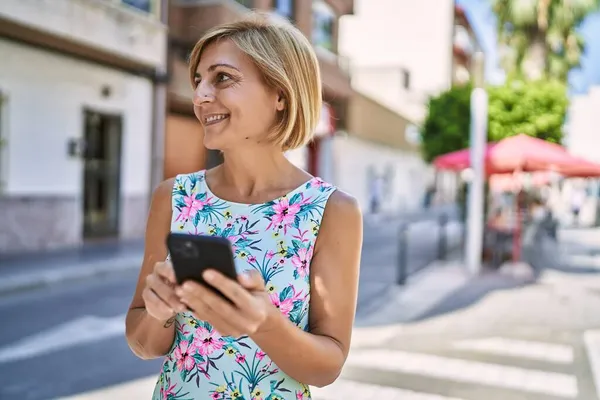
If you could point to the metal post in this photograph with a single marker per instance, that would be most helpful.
(442, 239)
(475, 195)
(402, 254)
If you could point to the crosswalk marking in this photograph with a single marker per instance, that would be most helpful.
(555, 353)
(527, 380)
(346, 389)
(592, 343)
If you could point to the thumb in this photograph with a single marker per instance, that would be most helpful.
(252, 280)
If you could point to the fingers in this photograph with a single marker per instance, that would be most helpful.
(207, 305)
(165, 270)
(252, 280)
(155, 306)
(165, 291)
(230, 288)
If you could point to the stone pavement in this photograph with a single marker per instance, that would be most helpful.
(496, 339)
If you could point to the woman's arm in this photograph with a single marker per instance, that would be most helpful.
(147, 336)
(317, 358)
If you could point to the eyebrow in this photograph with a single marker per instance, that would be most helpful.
(215, 66)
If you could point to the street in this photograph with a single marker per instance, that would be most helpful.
(494, 339)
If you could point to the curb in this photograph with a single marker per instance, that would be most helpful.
(38, 279)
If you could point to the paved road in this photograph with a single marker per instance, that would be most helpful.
(536, 342)
(68, 338)
(532, 342)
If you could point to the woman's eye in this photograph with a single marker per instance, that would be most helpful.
(223, 78)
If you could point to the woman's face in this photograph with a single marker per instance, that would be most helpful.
(231, 100)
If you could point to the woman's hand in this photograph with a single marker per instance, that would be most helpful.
(247, 313)
(159, 296)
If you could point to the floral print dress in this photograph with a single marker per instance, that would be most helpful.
(277, 239)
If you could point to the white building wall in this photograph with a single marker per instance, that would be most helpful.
(386, 35)
(584, 123)
(405, 175)
(109, 25)
(45, 96)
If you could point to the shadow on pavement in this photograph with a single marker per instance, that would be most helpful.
(471, 293)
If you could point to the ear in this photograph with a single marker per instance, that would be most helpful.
(280, 105)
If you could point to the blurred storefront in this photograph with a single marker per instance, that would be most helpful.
(377, 160)
(77, 118)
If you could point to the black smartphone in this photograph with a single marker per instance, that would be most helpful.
(191, 255)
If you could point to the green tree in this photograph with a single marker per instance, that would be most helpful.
(539, 37)
(536, 108)
(446, 127)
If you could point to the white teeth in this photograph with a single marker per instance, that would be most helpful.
(215, 117)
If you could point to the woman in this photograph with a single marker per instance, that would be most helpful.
(257, 93)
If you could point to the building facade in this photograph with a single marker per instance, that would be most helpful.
(189, 19)
(401, 53)
(78, 119)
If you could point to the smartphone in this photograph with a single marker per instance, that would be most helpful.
(192, 254)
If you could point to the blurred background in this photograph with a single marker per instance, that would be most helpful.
(476, 283)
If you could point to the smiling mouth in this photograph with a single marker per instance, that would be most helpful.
(214, 119)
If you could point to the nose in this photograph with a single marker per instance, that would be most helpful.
(202, 95)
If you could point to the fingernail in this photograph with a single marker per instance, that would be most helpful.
(187, 287)
(179, 292)
(208, 275)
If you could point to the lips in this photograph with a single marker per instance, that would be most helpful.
(212, 119)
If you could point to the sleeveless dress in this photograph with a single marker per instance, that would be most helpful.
(277, 239)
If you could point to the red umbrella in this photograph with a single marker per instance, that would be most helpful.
(521, 153)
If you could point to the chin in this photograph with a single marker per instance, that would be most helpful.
(213, 143)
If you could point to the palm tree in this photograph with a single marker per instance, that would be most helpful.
(538, 37)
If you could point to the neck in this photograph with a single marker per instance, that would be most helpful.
(254, 168)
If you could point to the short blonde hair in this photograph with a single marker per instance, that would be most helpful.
(287, 62)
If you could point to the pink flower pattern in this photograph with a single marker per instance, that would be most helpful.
(275, 238)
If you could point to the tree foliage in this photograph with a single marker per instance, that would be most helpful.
(536, 108)
(539, 38)
(446, 127)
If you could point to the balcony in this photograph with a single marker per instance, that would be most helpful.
(189, 19)
(127, 29)
(334, 74)
(342, 7)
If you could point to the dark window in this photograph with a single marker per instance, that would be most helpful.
(285, 8)
(143, 5)
(245, 3)
(322, 30)
(405, 79)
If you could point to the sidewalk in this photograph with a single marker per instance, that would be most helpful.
(19, 273)
(37, 270)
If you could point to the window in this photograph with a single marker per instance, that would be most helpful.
(142, 5)
(285, 8)
(245, 3)
(406, 79)
(322, 30)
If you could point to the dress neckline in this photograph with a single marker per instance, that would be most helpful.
(289, 194)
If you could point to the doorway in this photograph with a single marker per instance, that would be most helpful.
(101, 177)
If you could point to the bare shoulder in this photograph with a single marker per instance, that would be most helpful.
(163, 192)
(160, 206)
(342, 224)
(342, 212)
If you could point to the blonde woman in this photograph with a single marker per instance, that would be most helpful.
(297, 240)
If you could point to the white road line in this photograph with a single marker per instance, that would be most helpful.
(592, 346)
(87, 329)
(470, 372)
(554, 353)
(345, 389)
